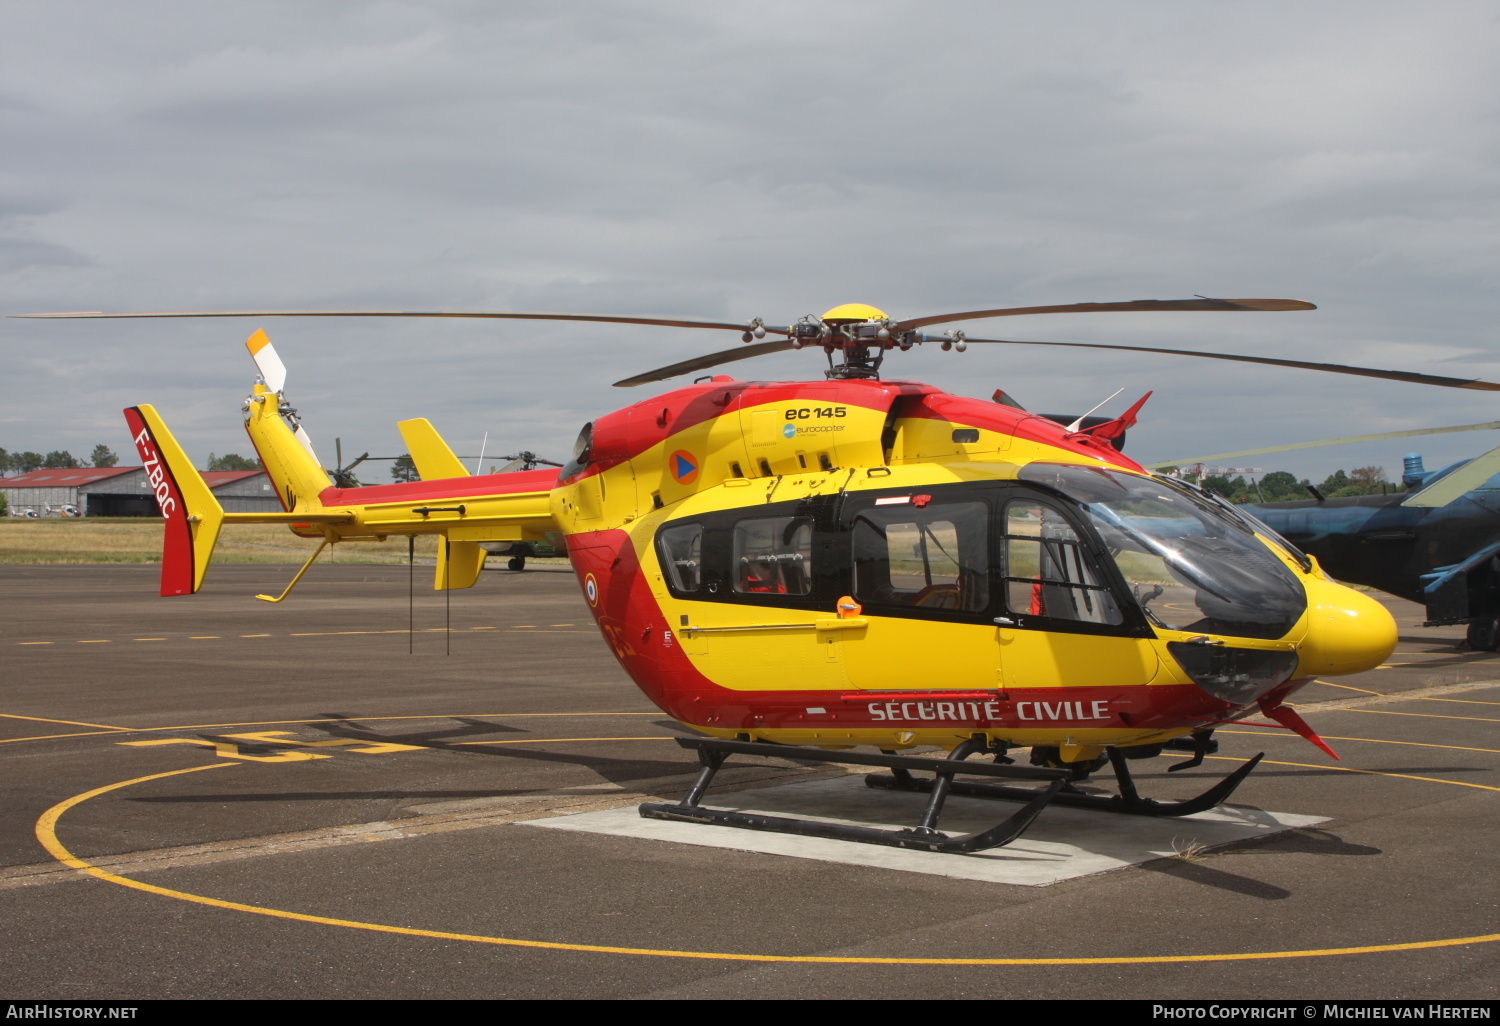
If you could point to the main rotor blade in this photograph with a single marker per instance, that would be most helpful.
(1146, 305)
(1487, 426)
(667, 322)
(1332, 368)
(704, 362)
(1463, 480)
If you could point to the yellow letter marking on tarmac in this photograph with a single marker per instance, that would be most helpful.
(369, 747)
(224, 750)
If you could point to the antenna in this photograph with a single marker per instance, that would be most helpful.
(1079, 422)
(479, 462)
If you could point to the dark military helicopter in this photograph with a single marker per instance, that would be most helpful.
(1436, 543)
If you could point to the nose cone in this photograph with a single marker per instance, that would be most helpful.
(1347, 631)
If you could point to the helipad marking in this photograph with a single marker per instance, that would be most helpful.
(375, 719)
(1426, 716)
(546, 740)
(225, 750)
(46, 833)
(307, 634)
(50, 737)
(1351, 769)
(1348, 687)
(268, 723)
(1372, 740)
(71, 723)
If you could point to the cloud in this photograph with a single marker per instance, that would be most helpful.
(734, 160)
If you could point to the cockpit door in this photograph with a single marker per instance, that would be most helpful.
(1060, 622)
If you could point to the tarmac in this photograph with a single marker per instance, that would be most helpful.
(214, 797)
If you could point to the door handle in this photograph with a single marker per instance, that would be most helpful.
(847, 623)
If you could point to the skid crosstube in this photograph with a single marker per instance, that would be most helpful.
(923, 837)
(1128, 801)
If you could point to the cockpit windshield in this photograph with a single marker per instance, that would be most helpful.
(1191, 565)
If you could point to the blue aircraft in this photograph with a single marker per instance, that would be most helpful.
(1437, 543)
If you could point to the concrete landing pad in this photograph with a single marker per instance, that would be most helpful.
(1060, 845)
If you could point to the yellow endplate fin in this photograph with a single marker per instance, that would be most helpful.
(458, 565)
(433, 459)
(191, 512)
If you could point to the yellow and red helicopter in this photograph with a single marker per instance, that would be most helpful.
(803, 568)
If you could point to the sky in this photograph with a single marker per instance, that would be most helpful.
(733, 160)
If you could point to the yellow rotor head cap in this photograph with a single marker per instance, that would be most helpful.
(854, 312)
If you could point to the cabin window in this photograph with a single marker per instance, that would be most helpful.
(933, 557)
(773, 556)
(1047, 571)
(681, 550)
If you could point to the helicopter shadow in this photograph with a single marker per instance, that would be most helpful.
(1303, 841)
(1207, 876)
(609, 769)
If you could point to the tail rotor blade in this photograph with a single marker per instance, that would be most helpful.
(272, 370)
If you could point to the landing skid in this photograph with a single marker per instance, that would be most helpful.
(1128, 801)
(925, 836)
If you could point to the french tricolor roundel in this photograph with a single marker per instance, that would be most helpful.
(684, 467)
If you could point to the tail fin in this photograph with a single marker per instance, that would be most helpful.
(190, 510)
(278, 437)
(433, 458)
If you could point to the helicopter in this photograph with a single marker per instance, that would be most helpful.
(803, 568)
(1434, 543)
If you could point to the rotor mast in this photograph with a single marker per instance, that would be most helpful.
(862, 335)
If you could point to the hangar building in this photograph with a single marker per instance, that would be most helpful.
(125, 492)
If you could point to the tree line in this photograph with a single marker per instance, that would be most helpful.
(1280, 486)
(102, 456)
(57, 459)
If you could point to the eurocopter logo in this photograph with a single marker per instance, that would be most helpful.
(793, 430)
(684, 467)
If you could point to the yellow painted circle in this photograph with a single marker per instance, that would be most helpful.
(46, 833)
